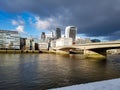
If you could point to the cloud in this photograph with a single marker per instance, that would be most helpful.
(19, 23)
(41, 24)
(14, 22)
(44, 24)
(92, 17)
(20, 29)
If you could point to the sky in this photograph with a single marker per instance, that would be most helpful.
(93, 18)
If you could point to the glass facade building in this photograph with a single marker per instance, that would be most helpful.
(70, 32)
(58, 33)
(9, 39)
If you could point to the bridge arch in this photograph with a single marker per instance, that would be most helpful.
(92, 49)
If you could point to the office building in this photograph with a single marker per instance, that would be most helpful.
(9, 39)
(70, 32)
(43, 46)
(52, 34)
(64, 42)
(30, 44)
(82, 41)
(43, 36)
(27, 44)
(22, 43)
(58, 33)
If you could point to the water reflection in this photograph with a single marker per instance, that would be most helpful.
(43, 71)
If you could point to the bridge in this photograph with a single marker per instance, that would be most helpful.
(91, 49)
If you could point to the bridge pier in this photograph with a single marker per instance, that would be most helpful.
(93, 54)
(57, 51)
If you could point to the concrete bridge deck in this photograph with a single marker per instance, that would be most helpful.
(91, 49)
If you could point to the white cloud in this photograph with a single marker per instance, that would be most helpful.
(41, 24)
(14, 22)
(18, 22)
(20, 29)
(44, 24)
(19, 25)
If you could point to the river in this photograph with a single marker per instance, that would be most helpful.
(46, 71)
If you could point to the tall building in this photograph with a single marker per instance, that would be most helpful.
(52, 34)
(9, 39)
(70, 32)
(58, 33)
(43, 36)
(22, 43)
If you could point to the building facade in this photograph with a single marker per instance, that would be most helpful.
(43, 36)
(64, 42)
(27, 44)
(58, 33)
(22, 43)
(71, 32)
(9, 39)
(43, 46)
(30, 44)
(83, 41)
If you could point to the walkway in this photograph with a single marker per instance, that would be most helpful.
(113, 84)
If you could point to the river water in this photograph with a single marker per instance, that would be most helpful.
(46, 71)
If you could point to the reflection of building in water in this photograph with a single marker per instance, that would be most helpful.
(9, 39)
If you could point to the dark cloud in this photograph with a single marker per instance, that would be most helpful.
(92, 17)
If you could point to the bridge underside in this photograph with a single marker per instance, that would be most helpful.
(91, 53)
(96, 53)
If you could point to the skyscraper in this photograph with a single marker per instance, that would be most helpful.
(70, 32)
(58, 33)
(43, 36)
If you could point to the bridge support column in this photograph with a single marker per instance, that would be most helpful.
(60, 52)
(92, 54)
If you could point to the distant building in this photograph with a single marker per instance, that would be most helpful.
(22, 43)
(30, 44)
(43, 46)
(52, 34)
(95, 40)
(9, 39)
(64, 42)
(27, 44)
(70, 32)
(58, 33)
(43, 36)
(82, 41)
(114, 51)
(53, 43)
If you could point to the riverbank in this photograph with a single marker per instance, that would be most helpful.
(113, 84)
(23, 51)
(31, 51)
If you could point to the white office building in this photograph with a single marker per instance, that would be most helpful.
(71, 32)
(30, 44)
(64, 42)
(43, 46)
(9, 39)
